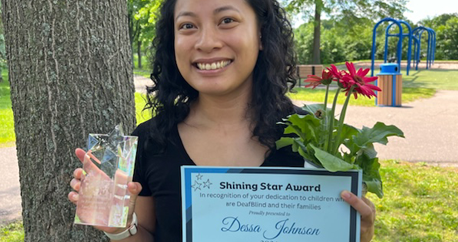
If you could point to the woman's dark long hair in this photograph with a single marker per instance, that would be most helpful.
(274, 74)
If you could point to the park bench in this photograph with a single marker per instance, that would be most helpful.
(304, 70)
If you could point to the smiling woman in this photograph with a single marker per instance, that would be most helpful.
(221, 72)
(215, 34)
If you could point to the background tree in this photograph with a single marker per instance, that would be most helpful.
(70, 74)
(446, 27)
(350, 11)
(142, 15)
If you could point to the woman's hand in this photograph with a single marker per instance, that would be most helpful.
(367, 210)
(133, 188)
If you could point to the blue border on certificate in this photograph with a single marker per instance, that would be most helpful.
(187, 171)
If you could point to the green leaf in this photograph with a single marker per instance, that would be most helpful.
(348, 131)
(313, 108)
(371, 174)
(330, 162)
(283, 142)
(377, 134)
(305, 126)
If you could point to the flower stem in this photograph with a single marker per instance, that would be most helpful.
(325, 116)
(328, 144)
(341, 121)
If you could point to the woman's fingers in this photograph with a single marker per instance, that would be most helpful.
(78, 173)
(357, 203)
(73, 197)
(367, 210)
(134, 189)
(80, 154)
(75, 184)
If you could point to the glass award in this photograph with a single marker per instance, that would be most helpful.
(108, 166)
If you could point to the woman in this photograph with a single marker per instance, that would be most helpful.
(221, 72)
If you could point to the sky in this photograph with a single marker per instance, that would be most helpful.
(422, 9)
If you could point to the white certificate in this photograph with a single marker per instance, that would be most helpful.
(228, 204)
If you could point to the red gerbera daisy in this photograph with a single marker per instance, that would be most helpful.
(359, 79)
(314, 81)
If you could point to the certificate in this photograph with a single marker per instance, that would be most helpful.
(228, 204)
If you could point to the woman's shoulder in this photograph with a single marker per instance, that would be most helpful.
(143, 128)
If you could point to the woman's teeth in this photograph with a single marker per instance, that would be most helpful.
(213, 66)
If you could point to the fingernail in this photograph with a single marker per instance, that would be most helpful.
(346, 195)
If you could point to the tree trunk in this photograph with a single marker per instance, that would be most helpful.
(139, 54)
(70, 74)
(316, 59)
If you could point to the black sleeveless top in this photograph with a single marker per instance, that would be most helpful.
(159, 175)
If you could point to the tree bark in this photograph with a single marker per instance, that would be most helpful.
(70, 74)
(316, 59)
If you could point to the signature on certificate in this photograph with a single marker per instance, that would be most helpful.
(285, 226)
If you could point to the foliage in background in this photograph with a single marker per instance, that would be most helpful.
(346, 40)
(353, 12)
(446, 27)
(142, 16)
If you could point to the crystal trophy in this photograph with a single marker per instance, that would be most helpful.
(108, 166)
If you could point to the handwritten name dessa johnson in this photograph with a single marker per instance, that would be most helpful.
(270, 187)
(285, 226)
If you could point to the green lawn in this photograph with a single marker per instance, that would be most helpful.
(420, 205)
(317, 95)
(7, 136)
(13, 232)
(438, 79)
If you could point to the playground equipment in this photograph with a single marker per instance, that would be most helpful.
(390, 78)
(400, 35)
(431, 49)
(414, 38)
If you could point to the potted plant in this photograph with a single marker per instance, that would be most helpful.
(326, 141)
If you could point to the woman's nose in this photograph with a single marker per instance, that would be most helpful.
(209, 39)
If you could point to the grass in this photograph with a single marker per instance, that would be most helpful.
(438, 79)
(317, 95)
(142, 115)
(7, 136)
(13, 232)
(419, 205)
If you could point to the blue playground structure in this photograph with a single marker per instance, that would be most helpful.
(414, 37)
(431, 49)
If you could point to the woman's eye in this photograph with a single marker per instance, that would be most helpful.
(227, 21)
(187, 26)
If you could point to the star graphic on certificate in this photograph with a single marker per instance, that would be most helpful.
(207, 184)
(196, 186)
(199, 176)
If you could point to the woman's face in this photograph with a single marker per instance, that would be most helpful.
(216, 44)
